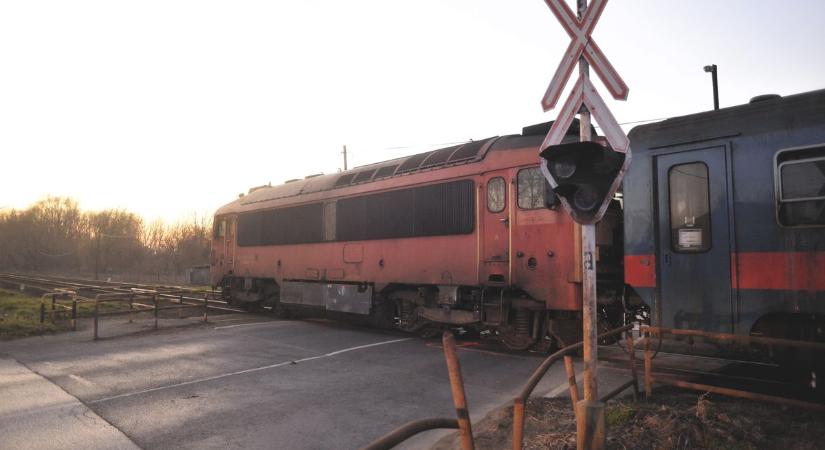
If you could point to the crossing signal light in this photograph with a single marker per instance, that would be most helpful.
(584, 175)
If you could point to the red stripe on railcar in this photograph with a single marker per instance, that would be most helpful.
(640, 270)
(789, 271)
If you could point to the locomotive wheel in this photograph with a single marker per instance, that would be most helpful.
(430, 331)
(408, 320)
(517, 336)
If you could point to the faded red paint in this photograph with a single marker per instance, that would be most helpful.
(640, 270)
(792, 271)
(452, 260)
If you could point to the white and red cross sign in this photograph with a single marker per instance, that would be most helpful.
(582, 44)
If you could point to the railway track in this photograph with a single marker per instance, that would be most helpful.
(796, 382)
(88, 289)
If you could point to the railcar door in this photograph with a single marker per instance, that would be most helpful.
(694, 242)
(495, 205)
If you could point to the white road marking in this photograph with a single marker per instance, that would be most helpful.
(241, 372)
(562, 387)
(246, 324)
(81, 380)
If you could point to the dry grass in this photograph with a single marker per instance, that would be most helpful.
(20, 315)
(674, 419)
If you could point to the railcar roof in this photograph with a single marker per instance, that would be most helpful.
(729, 122)
(467, 153)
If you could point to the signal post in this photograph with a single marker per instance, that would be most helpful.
(585, 176)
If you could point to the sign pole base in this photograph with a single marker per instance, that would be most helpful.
(591, 431)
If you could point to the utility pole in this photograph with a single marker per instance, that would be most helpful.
(345, 157)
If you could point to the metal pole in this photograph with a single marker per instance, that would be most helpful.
(345, 157)
(590, 419)
(97, 302)
(588, 241)
(571, 380)
(457, 386)
(715, 89)
(42, 315)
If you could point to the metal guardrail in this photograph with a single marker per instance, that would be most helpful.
(142, 294)
(649, 378)
(57, 307)
(462, 422)
(520, 401)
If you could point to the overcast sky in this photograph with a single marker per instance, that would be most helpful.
(171, 107)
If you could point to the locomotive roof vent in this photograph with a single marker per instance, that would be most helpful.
(764, 97)
(313, 175)
(292, 180)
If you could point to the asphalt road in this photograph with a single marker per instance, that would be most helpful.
(245, 382)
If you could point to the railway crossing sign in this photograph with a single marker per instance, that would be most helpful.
(581, 44)
(585, 182)
(585, 175)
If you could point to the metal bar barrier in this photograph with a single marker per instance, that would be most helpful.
(520, 402)
(462, 422)
(723, 337)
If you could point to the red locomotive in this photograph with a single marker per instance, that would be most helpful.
(466, 236)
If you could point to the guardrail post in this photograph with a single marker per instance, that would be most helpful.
(97, 304)
(631, 348)
(74, 314)
(155, 302)
(518, 423)
(42, 315)
(131, 306)
(571, 380)
(205, 308)
(180, 305)
(648, 367)
(54, 300)
(457, 386)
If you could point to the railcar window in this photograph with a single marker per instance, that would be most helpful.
(801, 186)
(438, 209)
(496, 196)
(689, 208)
(532, 188)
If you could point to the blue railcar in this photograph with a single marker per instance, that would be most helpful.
(724, 218)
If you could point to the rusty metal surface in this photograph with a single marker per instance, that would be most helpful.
(409, 430)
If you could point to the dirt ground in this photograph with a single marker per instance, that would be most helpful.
(673, 419)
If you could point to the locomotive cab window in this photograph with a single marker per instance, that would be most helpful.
(534, 191)
(689, 208)
(800, 186)
(496, 197)
(220, 228)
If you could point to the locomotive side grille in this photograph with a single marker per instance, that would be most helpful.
(433, 210)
